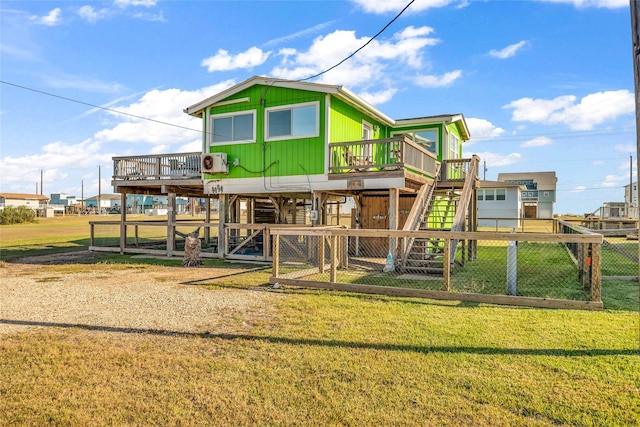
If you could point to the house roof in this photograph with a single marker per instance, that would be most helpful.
(500, 184)
(105, 197)
(23, 196)
(545, 180)
(340, 92)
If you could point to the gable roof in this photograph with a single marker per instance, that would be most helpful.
(340, 92)
(23, 196)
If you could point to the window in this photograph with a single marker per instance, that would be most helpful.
(428, 138)
(454, 142)
(292, 122)
(491, 194)
(233, 127)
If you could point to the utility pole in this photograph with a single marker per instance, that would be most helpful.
(41, 180)
(484, 176)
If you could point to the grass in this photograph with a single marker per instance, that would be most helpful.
(333, 358)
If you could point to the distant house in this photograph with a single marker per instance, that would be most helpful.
(106, 201)
(498, 199)
(620, 210)
(540, 195)
(33, 201)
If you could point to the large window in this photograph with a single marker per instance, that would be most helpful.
(292, 121)
(428, 138)
(235, 127)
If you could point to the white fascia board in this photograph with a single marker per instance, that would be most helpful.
(444, 119)
(296, 184)
(196, 109)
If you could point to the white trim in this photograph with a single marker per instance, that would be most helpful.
(436, 141)
(291, 107)
(212, 117)
(231, 101)
(296, 184)
(327, 128)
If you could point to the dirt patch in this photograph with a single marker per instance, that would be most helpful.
(77, 257)
(66, 290)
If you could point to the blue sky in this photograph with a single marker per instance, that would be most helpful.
(544, 85)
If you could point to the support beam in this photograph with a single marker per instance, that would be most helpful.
(123, 221)
(394, 215)
(171, 223)
(223, 209)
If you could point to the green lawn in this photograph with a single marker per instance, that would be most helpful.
(334, 358)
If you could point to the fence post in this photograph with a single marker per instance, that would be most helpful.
(321, 254)
(512, 268)
(275, 268)
(595, 272)
(334, 259)
(446, 266)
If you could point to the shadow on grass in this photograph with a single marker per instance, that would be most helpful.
(341, 344)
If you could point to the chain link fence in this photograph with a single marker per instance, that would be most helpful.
(513, 268)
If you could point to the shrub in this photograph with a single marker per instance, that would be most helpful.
(13, 215)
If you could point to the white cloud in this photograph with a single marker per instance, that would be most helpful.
(579, 189)
(55, 160)
(508, 51)
(385, 6)
(70, 81)
(445, 79)
(539, 141)
(605, 4)
(299, 34)
(127, 3)
(90, 14)
(499, 159)
(378, 98)
(614, 180)
(628, 148)
(164, 106)
(53, 18)
(222, 61)
(482, 129)
(592, 110)
(372, 63)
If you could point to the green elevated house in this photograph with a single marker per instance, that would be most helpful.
(287, 151)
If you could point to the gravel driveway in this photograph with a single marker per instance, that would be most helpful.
(38, 292)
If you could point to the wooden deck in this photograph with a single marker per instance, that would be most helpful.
(181, 173)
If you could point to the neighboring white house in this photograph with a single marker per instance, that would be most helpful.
(33, 201)
(107, 201)
(540, 195)
(498, 199)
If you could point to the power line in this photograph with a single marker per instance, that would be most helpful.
(361, 47)
(100, 107)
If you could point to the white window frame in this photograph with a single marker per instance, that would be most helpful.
(411, 135)
(366, 149)
(315, 134)
(211, 129)
(454, 148)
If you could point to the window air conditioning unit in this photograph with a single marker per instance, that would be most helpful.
(214, 163)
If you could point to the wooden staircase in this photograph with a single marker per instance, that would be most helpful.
(438, 207)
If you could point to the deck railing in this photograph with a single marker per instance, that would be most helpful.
(381, 154)
(157, 166)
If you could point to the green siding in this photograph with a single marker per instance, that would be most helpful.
(287, 157)
(346, 123)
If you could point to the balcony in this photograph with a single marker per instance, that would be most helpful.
(158, 174)
(389, 154)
